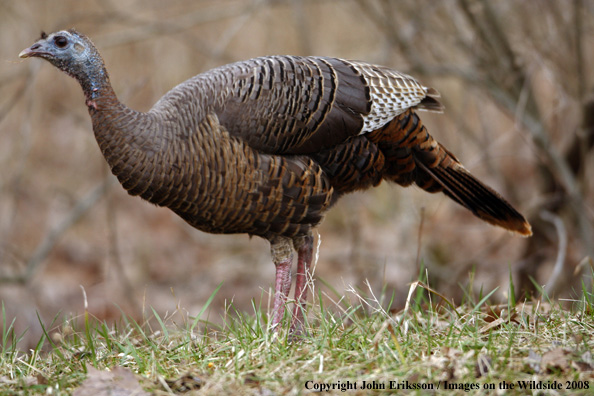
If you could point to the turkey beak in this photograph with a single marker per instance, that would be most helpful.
(25, 53)
(34, 50)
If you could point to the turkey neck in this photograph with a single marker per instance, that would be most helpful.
(128, 139)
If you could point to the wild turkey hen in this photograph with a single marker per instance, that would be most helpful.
(266, 146)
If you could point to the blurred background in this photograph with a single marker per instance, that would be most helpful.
(519, 98)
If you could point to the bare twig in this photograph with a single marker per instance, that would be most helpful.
(397, 37)
(178, 24)
(303, 31)
(561, 251)
(499, 38)
(19, 154)
(578, 10)
(225, 39)
(53, 236)
(114, 253)
(420, 239)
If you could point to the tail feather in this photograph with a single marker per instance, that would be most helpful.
(482, 201)
(431, 102)
(413, 156)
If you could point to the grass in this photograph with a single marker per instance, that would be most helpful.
(429, 344)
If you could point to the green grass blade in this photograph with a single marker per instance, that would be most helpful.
(205, 307)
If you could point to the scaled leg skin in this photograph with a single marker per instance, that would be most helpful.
(282, 256)
(304, 247)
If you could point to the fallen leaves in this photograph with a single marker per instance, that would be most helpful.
(451, 363)
(185, 383)
(559, 360)
(119, 381)
(24, 381)
(528, 313)
(555, 360)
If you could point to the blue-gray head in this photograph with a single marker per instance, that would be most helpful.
(74, 54)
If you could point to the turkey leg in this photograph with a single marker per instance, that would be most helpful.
(282, 256)
(304, 247)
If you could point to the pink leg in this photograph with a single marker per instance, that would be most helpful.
(282, 256)
(304, 256)
(281, 289)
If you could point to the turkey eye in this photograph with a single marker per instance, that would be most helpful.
(61, 41)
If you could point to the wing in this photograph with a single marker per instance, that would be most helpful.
(299, 105)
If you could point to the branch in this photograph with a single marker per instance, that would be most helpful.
(561, 252)
(177, 24)
(54, 235)
(578, 10)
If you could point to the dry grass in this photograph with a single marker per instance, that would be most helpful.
(131, 254)
(431, 344)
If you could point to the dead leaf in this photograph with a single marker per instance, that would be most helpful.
(496, 312)
(266, 392)
(581, 366)
(494, 324)
(252, 379)
(555, 359)
(27, 381)
(451, 363)
(186, 383)
(41, 380)
(120, 381)
(483, 365)
(534, 360)
(585, 261)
